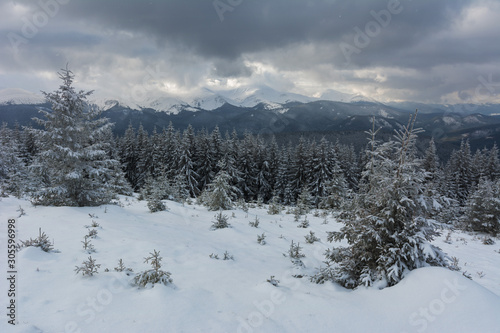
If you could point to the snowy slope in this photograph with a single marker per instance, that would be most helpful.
(337, 96)
(20, 96)
(268, 95)
(334, 95)
(207, 99)
(211, 295)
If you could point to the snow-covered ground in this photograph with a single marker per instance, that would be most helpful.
(209, 295)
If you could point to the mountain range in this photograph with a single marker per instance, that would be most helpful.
(264, 110)
(202, 99)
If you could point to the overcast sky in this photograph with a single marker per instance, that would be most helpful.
(427, 51)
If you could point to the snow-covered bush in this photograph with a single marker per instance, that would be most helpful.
(241, 203)
(228, 256)
(122, 268)
(88, 267)
(156, 205)
(311, 238)
(261, 239)
(275, 207)
(254, 224)
(295, 254)
(92, 233)
(304, 205)
(87, 245)
(273, 281)
(154, 275)
(42, 241)
(304, 223)
(221, 221)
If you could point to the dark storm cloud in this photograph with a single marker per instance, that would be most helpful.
(226, 69)
(419, 51)
(253, 26)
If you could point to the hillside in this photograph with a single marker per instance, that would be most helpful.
(209, 295)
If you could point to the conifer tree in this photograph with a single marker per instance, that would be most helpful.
(459, 173)
(13, 173)
(387, 232)
(72, 162)
(431, 160)
(129, 157)
(322, 172)
(482, 210)
(144, 151)
(185, 165)
(493, 164)
(298, 169)
(247, 167)
(170, 143)
(219, 194)
(204, 157)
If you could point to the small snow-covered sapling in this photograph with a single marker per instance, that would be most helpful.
(311, 238)
(254, 223)
(154, 275)
(261, 239)
(273, 281)
(88, 267)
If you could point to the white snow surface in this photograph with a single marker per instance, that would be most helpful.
(209, 295)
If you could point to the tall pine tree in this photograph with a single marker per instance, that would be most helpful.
(73, 163)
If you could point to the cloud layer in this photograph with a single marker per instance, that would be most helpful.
(426, 51)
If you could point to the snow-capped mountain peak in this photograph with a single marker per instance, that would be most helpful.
(201, 99)
(337, 96)
(20, 96)
(269, 95)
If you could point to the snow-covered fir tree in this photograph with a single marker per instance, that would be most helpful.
(459, 173)
(219, 194)
(482, 209)
(129, 157)
(205, 162)
(298, 170)
(247, 167)
(144, 152)
(185, 165)
(264, 177)
(322, 165)
(387, 232)
(73, 165)
(431, 160)
(13, 173)
(493, 164)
